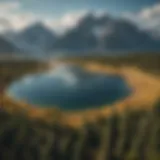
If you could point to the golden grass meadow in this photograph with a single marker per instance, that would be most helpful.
(145, 85)
(128, 129)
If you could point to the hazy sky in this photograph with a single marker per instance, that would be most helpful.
(51, 7)
(64, 13)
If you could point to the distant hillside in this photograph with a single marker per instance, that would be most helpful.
(6, 47)
(35, 38)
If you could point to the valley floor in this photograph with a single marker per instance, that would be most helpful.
(142, 73)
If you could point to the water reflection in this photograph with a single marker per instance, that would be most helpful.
(69, 87)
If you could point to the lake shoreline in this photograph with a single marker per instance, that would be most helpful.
(146, 91)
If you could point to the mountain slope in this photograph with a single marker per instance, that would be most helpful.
(79, 38)
(126, 36)
(106, 34)
(35, 38)
(7, 47)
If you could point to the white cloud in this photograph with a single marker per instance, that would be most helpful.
(12, 17)
(70, 20)
(65, 22)
(9, 6)
(18, 20)
(147, 18)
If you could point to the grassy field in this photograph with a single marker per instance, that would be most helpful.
(129, 130)
(141, 72)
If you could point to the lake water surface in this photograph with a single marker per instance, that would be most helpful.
(70, 88)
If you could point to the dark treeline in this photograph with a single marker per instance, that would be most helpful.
(133, 135)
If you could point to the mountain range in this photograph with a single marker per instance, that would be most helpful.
(103, 33)
(36, 38)
(7, 47)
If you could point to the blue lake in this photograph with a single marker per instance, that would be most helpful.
(70, 88)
